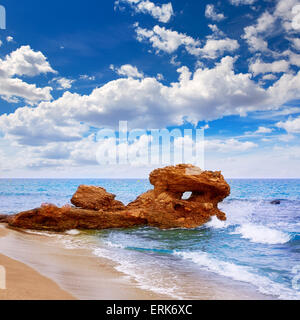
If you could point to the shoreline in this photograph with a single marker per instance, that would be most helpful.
(24, 283)
(78, 274)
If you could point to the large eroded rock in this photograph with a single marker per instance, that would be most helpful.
(52, 218)
(95, 198)
(164, 207)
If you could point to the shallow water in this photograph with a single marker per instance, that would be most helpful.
(259, 244)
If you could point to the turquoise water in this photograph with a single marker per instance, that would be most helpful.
(259, 244)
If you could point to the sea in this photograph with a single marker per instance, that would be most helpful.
(257, 248)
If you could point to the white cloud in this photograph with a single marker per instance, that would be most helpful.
(258, 67)
(128, 70)
(163, 13)
(295, 43)
(9, 39)
(25, 62)
(269, 77)
(203, 95)
(284, 11)
(254, 34)
(276, 114)
(214, 28)
(264, 130)
(229, 145)
(211, 13)
(169, 41)
(214, 48)
(160, 77)
(241, 2)
(166, 40)
(87, 77)
(63, 83)
(11, 89)
(291, 126)
(294, 58)
(174, 62)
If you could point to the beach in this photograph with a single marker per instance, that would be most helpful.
(39, 270)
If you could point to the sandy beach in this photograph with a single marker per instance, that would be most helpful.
(38, 268)
(74, 274)
(24, 283)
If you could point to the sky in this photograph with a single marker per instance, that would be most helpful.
(69, 69)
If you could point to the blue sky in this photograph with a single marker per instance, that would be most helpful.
(68, 69)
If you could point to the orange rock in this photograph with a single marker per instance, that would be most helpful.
(51, 218)
(95, 198)
(164, 207)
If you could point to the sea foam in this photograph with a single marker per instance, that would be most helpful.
(262, 234)
(239, 273)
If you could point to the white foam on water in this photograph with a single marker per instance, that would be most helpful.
(262, 234)
(239, 273)
(147, 277)
(239, 211)
(73, 232)
(45, 233)
(113, 245)
(216, 223)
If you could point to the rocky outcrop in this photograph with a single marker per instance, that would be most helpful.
(166, 206)
(52, 218)
(4, 218)
(96, 198)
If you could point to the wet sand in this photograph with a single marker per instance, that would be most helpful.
(32, 259)
(74, 274)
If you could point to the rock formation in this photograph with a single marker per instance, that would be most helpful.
(52, 218)
(96, 198)
(164, 207)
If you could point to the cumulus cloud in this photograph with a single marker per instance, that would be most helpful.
(211, 13)
(229, 145)
(283, 16)
(215, 48)
(263, 130)
(127, 70)
(286, 13)
(9, 39)
(254, 34)
(169, 41)
(269, 77)
(163, 13)
(25, 62)
(166, 40)
(258, 67)
(291, 126)
(63, 83)
(295, 43)
(12, 89)
(294, 58)
(206, 94)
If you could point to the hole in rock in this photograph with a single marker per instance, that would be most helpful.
(187, 195)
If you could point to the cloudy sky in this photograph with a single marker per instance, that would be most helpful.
(68, 69)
